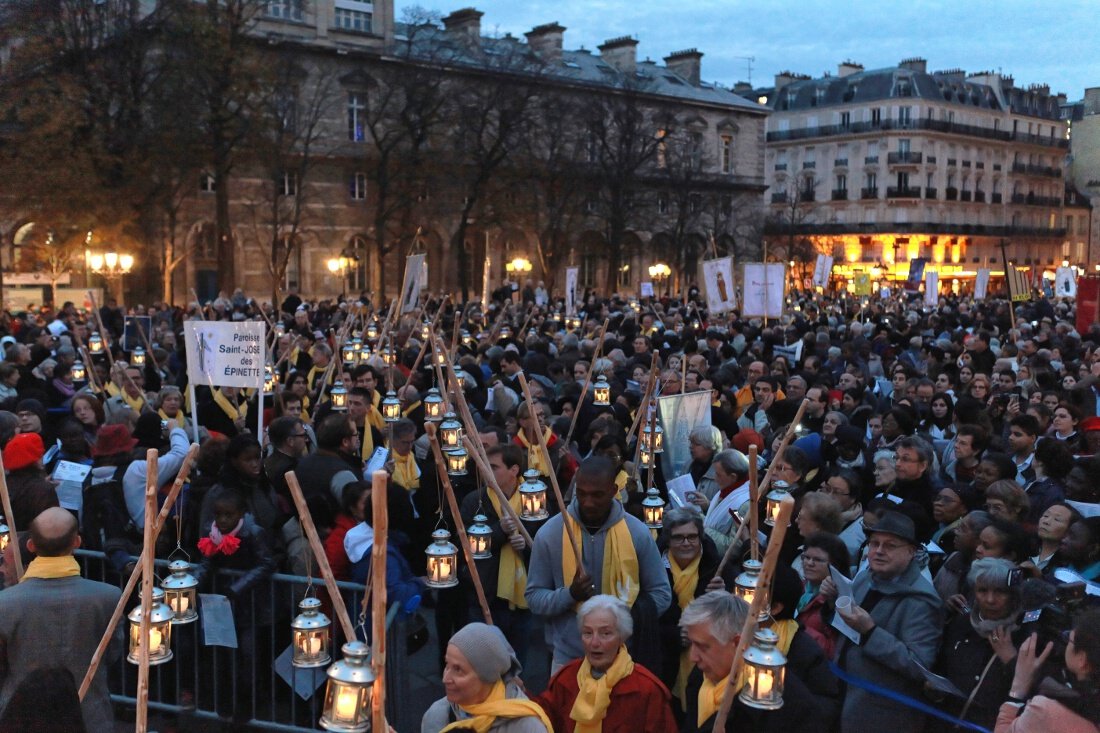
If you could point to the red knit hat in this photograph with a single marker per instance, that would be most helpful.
(23, 450)
(746, 437)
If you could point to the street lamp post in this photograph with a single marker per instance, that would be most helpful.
(659, 273)
(111, 266)
(340, 266)
(517, 268)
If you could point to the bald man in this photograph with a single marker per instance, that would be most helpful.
(54, 616)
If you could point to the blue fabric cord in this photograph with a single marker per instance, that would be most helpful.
(904, 699)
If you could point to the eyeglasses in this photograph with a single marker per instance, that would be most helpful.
(826, 489)
(814, 560)
(683, 539)
(887, 546)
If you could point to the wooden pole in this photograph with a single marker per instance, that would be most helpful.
(13, 533)
(460, 526)
(587, 382)
(380, 525)
(765, 483)
(103, 333)
(771, 557)
(148, 552)
(202, 316)
(491, 482)
(138, 573)
(310, 531)
(553, 474)
(754, 501)
(643, 412)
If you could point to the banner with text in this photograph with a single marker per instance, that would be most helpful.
(764, 289)
(823, 268)
(225, 353)
(1018, 285)
(678, 415)
(718, 278)
(981, 283)
(416, 278)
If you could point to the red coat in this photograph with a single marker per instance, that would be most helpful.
(640, 703)
(812, 620)
(334, 547)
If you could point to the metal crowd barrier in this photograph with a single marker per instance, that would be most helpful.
(220, 683)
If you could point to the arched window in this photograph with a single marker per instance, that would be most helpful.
(359, 273)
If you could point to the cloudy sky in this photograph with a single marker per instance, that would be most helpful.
(1053, 43)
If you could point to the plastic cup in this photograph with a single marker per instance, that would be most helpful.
(843, 603)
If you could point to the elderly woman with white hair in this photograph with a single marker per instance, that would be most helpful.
(704, 442)
(480, 679)
(606, 691)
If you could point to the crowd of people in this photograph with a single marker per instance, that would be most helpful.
(941, 568)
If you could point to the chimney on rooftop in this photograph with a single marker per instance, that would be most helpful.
(546, 41)
(783, 78)
(465, 25)
(620, 53)
(916, 64)
(847, 68)
(687, 63)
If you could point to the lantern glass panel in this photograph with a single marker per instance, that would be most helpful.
(601, 392)
(339, 396)
(442, 561)
(312, 632)
(450, 431)
(180, 592)
(160, 631)
(433, 406)
(391, 407)
(95, 343)
(456, 461)
(764, 672)
(775, 498)
(78, 371)
(532, 495)
(347, 706)
(137, 356)
(481, 537)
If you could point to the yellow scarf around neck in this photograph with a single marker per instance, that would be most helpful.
(621, 480)
(684, 582)
(374, 415)
(314, 371)
(590, 707)
(785, 630)
(366, 446)
(620, 576)
(406, 473)
(178, 419)
(511, 572)
(409, 410)
(137, 404)
(232, 412)
(49, 568)
(113, 390)
(534, 452)
(710, 698)
(498, 706)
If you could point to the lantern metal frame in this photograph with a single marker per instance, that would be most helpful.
(480, 535)
(79, 371)
(442, 560)
(433, 406)
(270, 379)
(653, 438)
(747, 585)
(601, 392)
(765, 672)
(95, 343)
(388, 357)
(456, 459)
(391, 407)
(646, 458)
(450, 431)
(348, 692)
(653, 508)
(372, 331)
(348, 354)
(780, 491)
(160, 630)
(181, 592)
(532, 497)
(426, 330)
(339, 396)
(311, 632)
(137, 356)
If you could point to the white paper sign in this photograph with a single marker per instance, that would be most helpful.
(69, 471)
(217, 621)
(718, 279)
(931, 288)
(981, 283)
(792, 353)
(571, 274)
(844, 588)
(226, 353)
(680, 488)
(376, 462)
(647, 289)
(1087, 510)
(823, 268)
(1065, 284)
(764, 287)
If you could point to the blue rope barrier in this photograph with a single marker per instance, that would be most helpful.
(904, 699)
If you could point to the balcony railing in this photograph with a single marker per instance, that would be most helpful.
(808, 165)
(781, 166)
(779, 198)
(965, 196)
(899, 192)
(966, 164)
(840, 194)
(1019, 198)
(951, 194)
(956, 128)
(931, 159)
(870, 160)
(806, 196)
(952, 162)
(904, 158)
(841, 162)
(980, 165)
(979, 197)
(868, 193)
(929, 192)
(996, 198)
(918, 227)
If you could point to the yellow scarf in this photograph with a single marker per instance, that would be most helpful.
(710, 698)
(534, 453)
(684, 583)
(498, 706)
(137, 404)
(621, 480)
(785, 630)
(49, 568)
(408, 410)
(113, 390)
(374, 415)
(590, 707)
(620, 576)
(178, 419)
(511, 572)
(406, 474)
(305, 416)
(314, 371)
(232, 412)
(367, 444)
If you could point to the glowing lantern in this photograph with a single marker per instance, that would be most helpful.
(764, 672)
(780, 490)
(456, 461)
(601, 392)
(348, 353)
(746, 584)
(348, 692)
(339, 396)
(532, 497)
(95, 343)
(481, 537)
(79, 372)
(391, 407)
(442, 561)
(372, 330)
(5, 535)
(653, 438)
(180, 592)
(312, 631)
(160, 631)
(450, 431)
(653, 508)
(433, 406)
(270, 379)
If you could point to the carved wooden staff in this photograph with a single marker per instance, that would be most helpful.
(460, 526)
(643, 413)
(764, 484)
(138, 573)
(771, 557)
(345, 328)
(553, 474)
(103, 332)
(491, 482)
(13, 534)
(148, 545)
(310, 531)
(380, 522)
(754, 501)
(587, 382)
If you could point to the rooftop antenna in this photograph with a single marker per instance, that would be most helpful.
(749, 61)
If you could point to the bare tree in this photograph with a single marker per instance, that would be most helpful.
(793, 207)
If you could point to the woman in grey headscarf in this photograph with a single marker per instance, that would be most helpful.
(479, 678)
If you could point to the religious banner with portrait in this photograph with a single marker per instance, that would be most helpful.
(718, 279)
